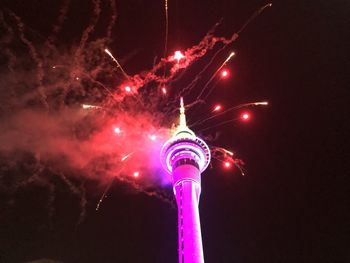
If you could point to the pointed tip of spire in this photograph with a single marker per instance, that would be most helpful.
(182, 127)
(182, 113)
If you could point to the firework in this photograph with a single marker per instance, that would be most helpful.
(217, 108)
(87, 106)
(125, 119)
(116, 61)
(224, 73)
(178, 56)
(245, 116)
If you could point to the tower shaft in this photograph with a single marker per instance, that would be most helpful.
(187, 194)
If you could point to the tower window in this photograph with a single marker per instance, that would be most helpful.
(186, 161)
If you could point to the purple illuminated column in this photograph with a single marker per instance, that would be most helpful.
(187, 197)
(185, 156)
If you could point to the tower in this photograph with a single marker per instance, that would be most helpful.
(185, 156)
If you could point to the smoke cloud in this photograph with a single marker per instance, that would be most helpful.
(45, 132)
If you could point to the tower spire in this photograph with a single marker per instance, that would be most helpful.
(182, 122)
(182, 130)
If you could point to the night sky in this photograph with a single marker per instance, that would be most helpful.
(286, 209)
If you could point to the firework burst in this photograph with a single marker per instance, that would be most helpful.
(77, 113)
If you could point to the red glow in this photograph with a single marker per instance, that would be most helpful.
(178, 55)
(136, 174)
(227, 165)
(117, 130)
(127, 89)
(217, 108)
(224, 73)
(164, 91)
(245, 116)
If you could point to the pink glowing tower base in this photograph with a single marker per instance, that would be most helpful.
(185, 156)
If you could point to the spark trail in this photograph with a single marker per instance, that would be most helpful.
(116, 62)
(209, 42)
(213, 76)
(259, 103)
(166, 27)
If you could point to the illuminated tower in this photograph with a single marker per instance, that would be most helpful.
(185, 156)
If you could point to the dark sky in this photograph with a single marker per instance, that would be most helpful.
(287, 208)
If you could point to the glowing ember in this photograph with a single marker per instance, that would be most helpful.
(227, 165)
(217, 108)
(127, 89)
(178, 56)
(224, 73)
(87, 106)
(227, 151)
(229, 57)
(261, 103)
(164, 91)
(126, 156)
(245, 116)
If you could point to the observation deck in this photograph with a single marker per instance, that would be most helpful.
(184, 148)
